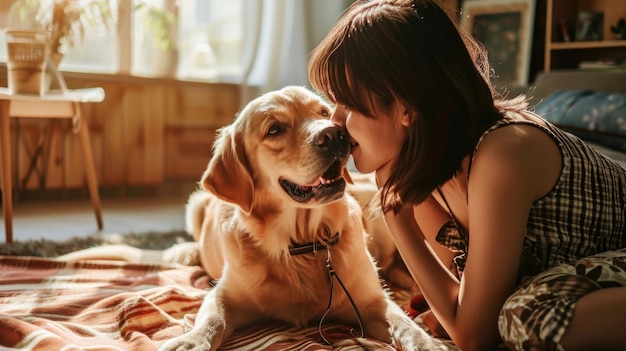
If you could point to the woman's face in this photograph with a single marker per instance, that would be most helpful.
(375, 141)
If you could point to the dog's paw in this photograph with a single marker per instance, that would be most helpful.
(371, 345)
(408, 335)
(423, 341)
(185, 343)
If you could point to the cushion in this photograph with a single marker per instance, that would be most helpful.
(554, 106)
(597, 117)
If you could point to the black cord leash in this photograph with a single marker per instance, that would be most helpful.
(333, 275)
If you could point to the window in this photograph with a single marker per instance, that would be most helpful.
(206, 39)
(210, 38)
(95, 51)
(98, 49)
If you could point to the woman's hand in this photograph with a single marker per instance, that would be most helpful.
(430, 321)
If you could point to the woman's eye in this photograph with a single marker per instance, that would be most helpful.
(325, 113)
(274, 130)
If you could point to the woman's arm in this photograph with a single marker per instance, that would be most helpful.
(430, 218)
(436, 282)
(513, 167)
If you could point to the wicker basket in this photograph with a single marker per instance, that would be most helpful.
(26, 62)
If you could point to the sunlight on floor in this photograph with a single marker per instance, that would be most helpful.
(62, 220)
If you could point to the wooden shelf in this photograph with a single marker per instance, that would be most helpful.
(587, 44)
(567, 55)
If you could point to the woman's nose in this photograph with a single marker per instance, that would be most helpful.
(339, 116)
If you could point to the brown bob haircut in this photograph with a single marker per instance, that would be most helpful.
(413, 52)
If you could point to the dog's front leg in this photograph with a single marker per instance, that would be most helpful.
(210, 328)
(409, 336)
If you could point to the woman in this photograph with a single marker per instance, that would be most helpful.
(513, 230)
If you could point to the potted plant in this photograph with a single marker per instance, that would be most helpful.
(160, 37)
(619, 29)
(160, 23)
(68, 20)
(65, 20)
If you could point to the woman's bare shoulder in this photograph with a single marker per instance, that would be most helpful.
(522, 150)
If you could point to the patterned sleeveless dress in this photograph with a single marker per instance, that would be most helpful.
(575, 243)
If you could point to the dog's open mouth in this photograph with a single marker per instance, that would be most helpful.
(329, 183)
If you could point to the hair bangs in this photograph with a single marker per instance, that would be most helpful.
(344, 69)
(327, 66)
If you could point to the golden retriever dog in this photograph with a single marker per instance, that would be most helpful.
(380, 242)
(279, 233)
(286, 231)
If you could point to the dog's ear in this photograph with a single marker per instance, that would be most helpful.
(227, 175)
(347, 176)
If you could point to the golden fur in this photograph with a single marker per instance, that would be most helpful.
(276, 179)
(380, 243)
(245, 222)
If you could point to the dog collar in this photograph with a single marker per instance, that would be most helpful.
(299, 249)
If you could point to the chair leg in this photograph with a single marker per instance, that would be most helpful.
(7, 187)
(40, 156)
(90, 168)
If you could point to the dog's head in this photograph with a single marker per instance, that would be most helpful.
(281, 148)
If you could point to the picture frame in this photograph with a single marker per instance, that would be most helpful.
(505, 28)
(589, 26)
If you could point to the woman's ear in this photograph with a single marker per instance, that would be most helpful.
(408, 116)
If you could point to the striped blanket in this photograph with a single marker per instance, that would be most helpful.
(47, 304)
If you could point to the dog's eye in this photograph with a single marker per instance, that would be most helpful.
(325, 113)
(274, 130)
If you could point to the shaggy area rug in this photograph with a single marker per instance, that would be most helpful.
(50, 248)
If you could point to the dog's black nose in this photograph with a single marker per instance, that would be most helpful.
(333, 138)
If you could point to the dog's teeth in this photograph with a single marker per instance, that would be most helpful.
(327, 181)
(319, 181)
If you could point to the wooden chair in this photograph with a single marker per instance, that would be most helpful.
(64, 103)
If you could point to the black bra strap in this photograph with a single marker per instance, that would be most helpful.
(445, 202)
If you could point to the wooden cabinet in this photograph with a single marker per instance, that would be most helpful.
(564, 51)
(144, 133)
(190, 127)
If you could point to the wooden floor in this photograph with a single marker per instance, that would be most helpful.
(58, 217)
